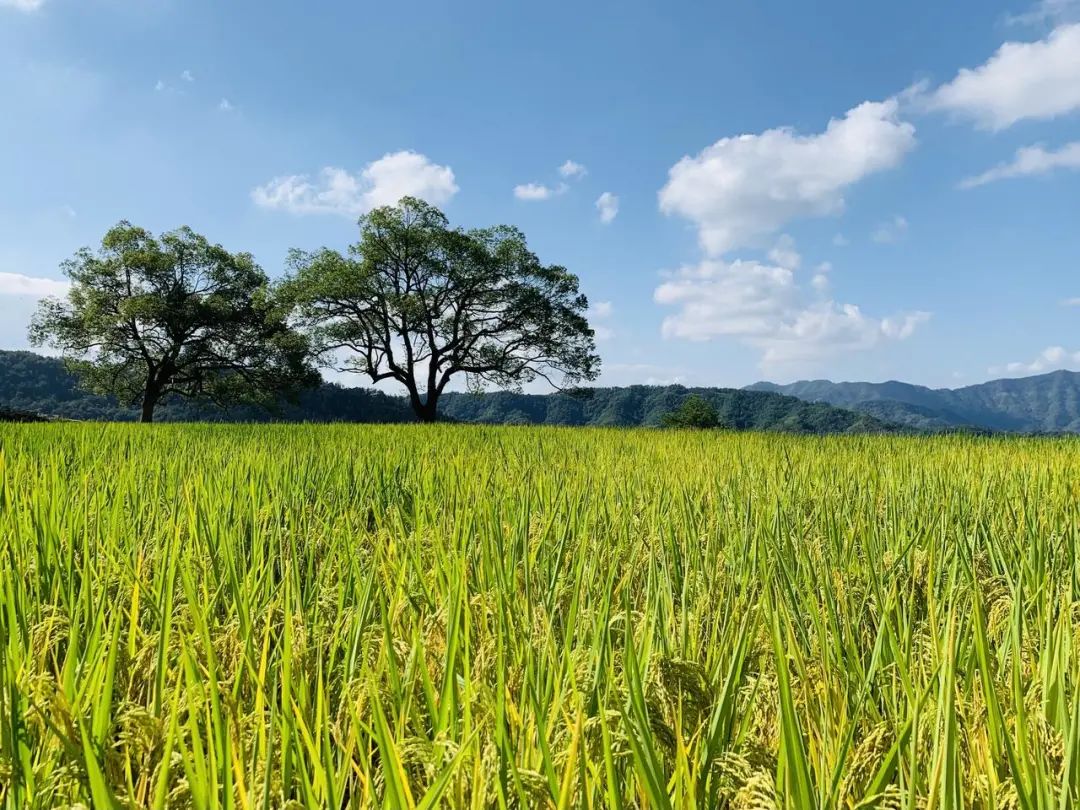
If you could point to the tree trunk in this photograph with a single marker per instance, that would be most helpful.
(149, 401)
(425, 411)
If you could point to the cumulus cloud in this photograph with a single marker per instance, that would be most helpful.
(572, 169)
(643, 374)
(537, 191)
(187, 76)
(1023, 80)
(1028, 161)
(903, 326)
(225, 105)
(840, 240)
(1050, 358)
(22, 5)
(820, 281)
(717, 298)
(744, 188)
(601, 311)
(18, 284)
(784, 253)
(381, 182)
(763, 306)
(608, 206)
(889, 232)
(1047, 12)
(829, 328)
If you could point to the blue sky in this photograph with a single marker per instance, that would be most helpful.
(748, 190)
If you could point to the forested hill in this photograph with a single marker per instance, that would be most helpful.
(647, 405)
(34, 384)
(1046, 403)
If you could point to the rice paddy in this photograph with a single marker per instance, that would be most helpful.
(475, 617)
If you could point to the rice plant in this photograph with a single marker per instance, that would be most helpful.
(471, 617)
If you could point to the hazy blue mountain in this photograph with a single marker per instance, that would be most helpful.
(1044, 403)
(31, 383)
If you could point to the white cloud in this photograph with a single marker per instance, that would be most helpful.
(539, 191)
(1052, 357)
(572, 169)
(601, 311)
(532, 192)
(1047, 11)
(763, 306)
(23, 5)
(820, 281)
(643, 374)
(784, 253)
(608, 206)
(535, 191)
(829, 328)
(1029, 160)
(159, 86)
(225, 105)
(889, 232)
(187, 76)
(382, 182)
(903, 326)
(1038, 80)
(18, 284)
(743, 188)
(840, 240)
(1071, 302)
(741, 298)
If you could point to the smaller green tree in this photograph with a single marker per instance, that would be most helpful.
(694, 412)
(146, 318)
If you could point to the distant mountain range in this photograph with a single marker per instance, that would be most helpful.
(1047, 403)
(33, 384)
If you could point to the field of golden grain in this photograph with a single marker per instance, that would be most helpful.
(410, 616)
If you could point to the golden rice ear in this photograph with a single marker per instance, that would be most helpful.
(362, 616)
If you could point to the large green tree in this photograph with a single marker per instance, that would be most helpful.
(419, 302)
(150, 317)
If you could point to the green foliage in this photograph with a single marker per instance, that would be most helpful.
(473, 617)
(1045, 403)
(644, 405)
(694, 412)
(149, 317)
(420, 303)
(33, 383)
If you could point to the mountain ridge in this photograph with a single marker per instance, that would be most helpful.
(1041, 403)
(33, 383)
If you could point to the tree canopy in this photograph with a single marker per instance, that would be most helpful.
(694, 412)
(150, 317)
(419, 302)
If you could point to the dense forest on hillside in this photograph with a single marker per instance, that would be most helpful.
(1045, 403)
(35, 384)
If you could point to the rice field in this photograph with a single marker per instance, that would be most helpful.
(472, 617)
